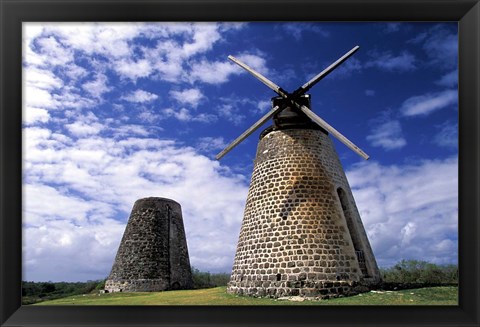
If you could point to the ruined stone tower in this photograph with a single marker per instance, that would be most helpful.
(301, 232)
(153, 254)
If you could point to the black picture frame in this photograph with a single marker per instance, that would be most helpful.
(14, 12)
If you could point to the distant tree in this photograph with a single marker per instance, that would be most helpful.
(416, 271)
(33, 292)
(208, 280)
(46, 288)
(100, 285)
(89, 286)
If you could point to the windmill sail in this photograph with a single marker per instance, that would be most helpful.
(317, 78)
(277, 89)
(293, 99)
(249, 131)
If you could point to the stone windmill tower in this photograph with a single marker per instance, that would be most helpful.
(301, 232)
(153, 254)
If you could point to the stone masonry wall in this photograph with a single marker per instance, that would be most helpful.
(153, 254)
(294, 238)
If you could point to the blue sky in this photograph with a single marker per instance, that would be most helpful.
(120, 111)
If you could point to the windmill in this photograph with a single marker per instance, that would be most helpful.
(301, 232)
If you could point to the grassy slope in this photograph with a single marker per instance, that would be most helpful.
(447, 295)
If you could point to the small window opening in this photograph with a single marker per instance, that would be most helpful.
(361, 262)
(353, 231)
(279, 277)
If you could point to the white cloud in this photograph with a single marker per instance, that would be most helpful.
(256, 62)
(52, 53)
(85, 125)
(39, 145)
(31, 31)
(449, 79)
(264, 105)
(203, 38)
(389, 62)
(32, 115)
(298, 30)
(447, 136)
(385, 61)
(108, 39)
(70, 99)
(38, 201)
(98, 86)
(188, 96)
(148, 116)
(215, 72)
(52, 250)
(230, 113)
(387, 135)
(185, 115)
(392, 27)
(407, 233)
(39, 98)
(346, 69)
(370, 93)
(182, 114)
(41, 79)
(170, 71)
(441, 46)
(130, 130)
(205, 118)
(75, 72)
(140, 96)
(210, 144)
(134, 69)
(428, 103)
(409, 211)
(81, 129)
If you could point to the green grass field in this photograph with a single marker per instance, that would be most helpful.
(445, 295)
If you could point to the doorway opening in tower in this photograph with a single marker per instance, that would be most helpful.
(357, 245)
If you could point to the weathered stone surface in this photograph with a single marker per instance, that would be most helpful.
(300, 222)
(153, 254)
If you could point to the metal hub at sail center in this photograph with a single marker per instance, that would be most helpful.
(291, 117)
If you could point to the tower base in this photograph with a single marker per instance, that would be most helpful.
(136, 285)
(309, 289)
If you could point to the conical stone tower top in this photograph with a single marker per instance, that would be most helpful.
(153, 254)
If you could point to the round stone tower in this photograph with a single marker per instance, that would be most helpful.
(153, 254)
(301, 232)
